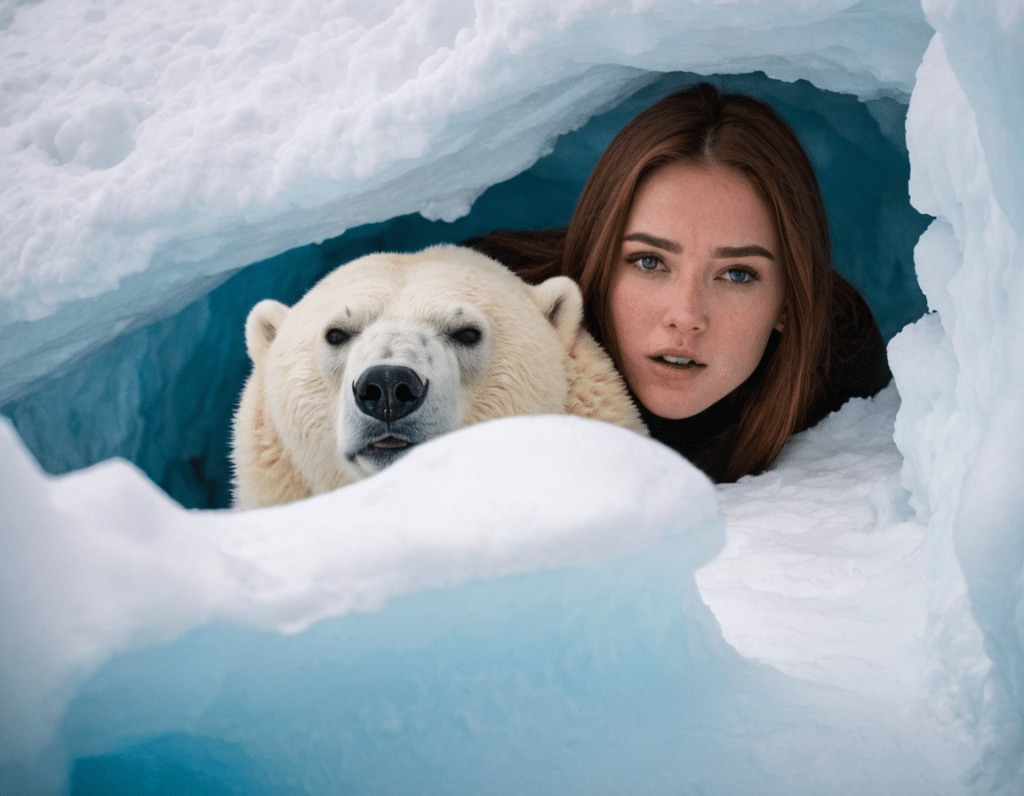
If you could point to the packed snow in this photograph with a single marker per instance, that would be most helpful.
(520, 639)
(535, 605)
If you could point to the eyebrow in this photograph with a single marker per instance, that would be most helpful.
(651, 240)
(721, 252)
(744, 251)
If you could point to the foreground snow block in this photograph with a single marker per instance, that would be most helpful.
(433, 628)
(509, 609)
(539, 683)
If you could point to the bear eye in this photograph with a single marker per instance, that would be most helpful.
(468, 336)
(336, 336)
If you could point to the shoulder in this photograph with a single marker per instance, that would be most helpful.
(856, 363)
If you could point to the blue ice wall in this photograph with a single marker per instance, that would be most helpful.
(466, 691)
(606, 679)
(162, 396)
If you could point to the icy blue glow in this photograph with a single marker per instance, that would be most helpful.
(859, 631)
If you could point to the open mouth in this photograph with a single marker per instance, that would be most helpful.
(381, 453)
(389, 444)
(678, 362)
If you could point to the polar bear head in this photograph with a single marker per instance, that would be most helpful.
(390, 351)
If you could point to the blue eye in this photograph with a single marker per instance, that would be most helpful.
(739, 276)
(647, 262)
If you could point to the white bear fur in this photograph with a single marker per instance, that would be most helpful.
(293, 432)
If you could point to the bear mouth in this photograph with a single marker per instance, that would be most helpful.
(381, 453)
(389, 443)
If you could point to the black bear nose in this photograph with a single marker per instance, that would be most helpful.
(389, 392)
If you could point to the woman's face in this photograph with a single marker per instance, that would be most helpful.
(697, 290)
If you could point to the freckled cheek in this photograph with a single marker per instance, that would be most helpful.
(743, 343)
(628, 317)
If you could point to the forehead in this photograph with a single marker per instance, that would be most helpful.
(384, 284)
(712, 199)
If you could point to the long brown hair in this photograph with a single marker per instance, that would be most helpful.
(701, 126)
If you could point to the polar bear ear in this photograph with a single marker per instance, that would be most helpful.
(560, 300)
(261, 327)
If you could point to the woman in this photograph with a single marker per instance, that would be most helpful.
(701, 246)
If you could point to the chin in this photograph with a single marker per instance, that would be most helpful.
(670, 409)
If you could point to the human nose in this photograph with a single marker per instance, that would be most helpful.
(686, 308)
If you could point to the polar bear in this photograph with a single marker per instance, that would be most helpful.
(392, 350)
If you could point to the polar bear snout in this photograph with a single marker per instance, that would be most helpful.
(401, 383)
(389, 392)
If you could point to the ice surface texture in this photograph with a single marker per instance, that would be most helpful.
(960, 370)
(149, 150)
(523, 642)
(255, 128)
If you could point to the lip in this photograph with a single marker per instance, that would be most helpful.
(382, 449)
(693, 364)
(388, 444)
